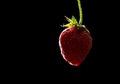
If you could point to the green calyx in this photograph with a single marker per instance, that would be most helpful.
(73, 21)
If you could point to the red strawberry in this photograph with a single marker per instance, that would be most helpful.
(75, 41)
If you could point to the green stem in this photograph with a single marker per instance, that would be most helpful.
(80, 12)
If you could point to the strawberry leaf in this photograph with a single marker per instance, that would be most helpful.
(68, 25)
(68, 19)
(74, 20)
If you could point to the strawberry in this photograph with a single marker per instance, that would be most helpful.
(75, 41)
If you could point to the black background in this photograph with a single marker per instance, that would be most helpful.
(32, 44)
(44, 59)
